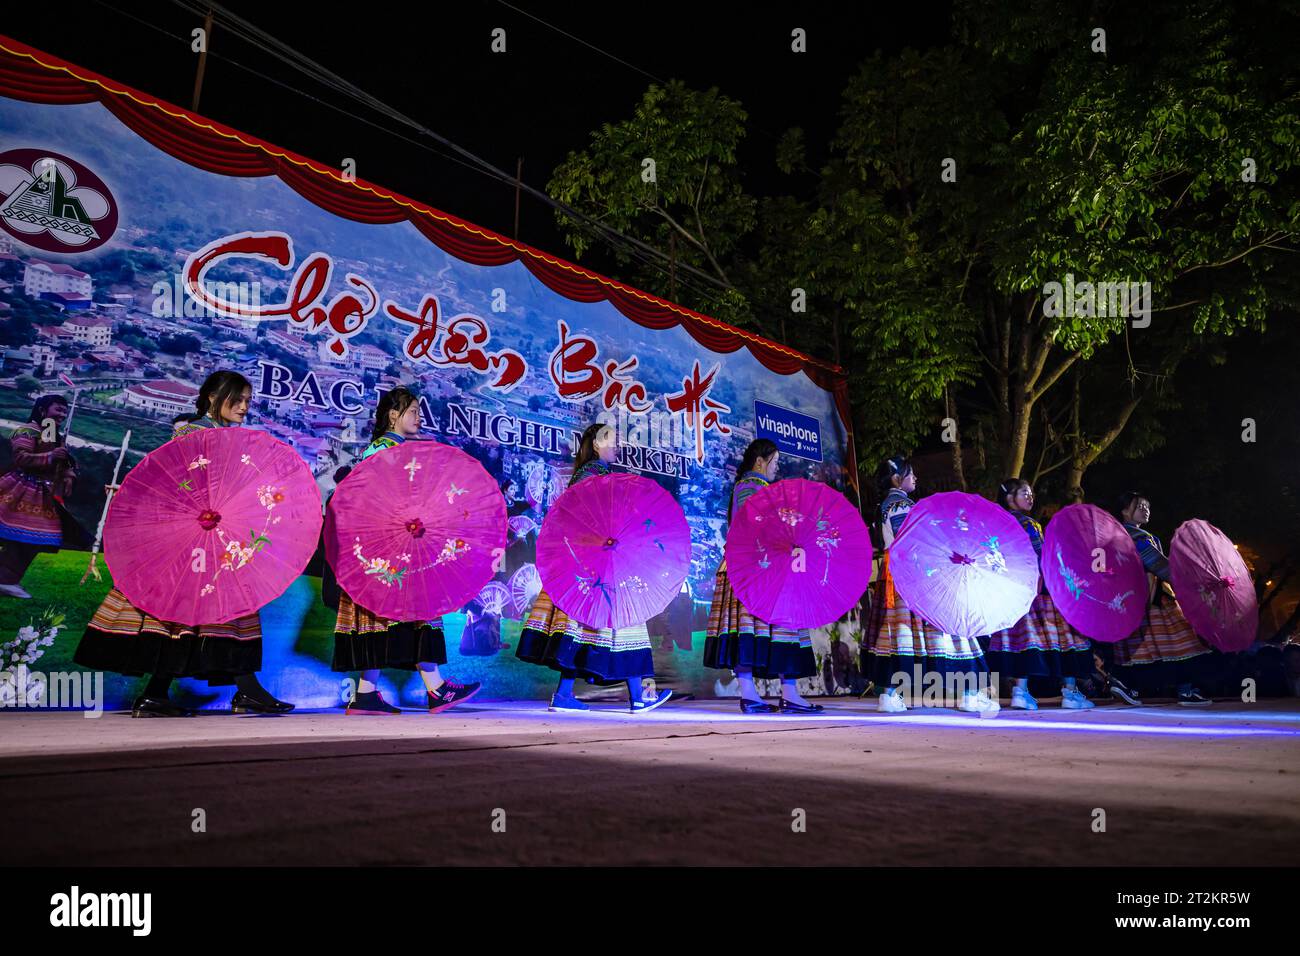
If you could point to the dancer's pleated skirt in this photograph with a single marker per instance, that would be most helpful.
(1164, 651)
(736, 638)
(122, 638)
(900, 640)
(553, 639)
(364, 641)
(1040, 644)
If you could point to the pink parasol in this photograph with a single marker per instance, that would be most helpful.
(1214, 587)
(614, 550)
(964, 564)
(1093, 573)
(798, 554)
(415, 531)
(212, 526)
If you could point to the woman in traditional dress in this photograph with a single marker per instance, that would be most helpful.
(122, 638)
(33, 517)
(900, 641)
(738, 641)
(1042, 643)
(1164, 651)
(366, 642)
(599, 656)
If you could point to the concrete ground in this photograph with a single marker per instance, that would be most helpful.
(691, 783)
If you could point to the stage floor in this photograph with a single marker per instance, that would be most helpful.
(691, 783)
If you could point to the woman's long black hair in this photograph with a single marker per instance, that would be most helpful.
(394, 400)
(217, 389)
(587, 447)
(1009, 489)
(758, 448)
(898, 465)
(1126, 499)
(41, 407)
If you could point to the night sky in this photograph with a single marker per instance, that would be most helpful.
(539, 100)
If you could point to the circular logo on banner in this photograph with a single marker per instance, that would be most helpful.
(54, 203)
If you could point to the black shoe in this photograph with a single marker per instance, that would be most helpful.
(242, 703)
(370, 704)
(159, 707)
(1126, 694)
(756, 707)
(789, 706)
(1193, 699)
(449, 694)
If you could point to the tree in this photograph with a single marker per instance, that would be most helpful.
(1117, 167)
(669, 177)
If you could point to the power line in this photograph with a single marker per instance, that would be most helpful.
(643, 253)
(575, 39)
(321, 74)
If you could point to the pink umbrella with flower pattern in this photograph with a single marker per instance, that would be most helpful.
(212, 526)
(1214, 587)
(964, 564)
(614, 550)
(798, 554)
(415, 531)
(1093, 573)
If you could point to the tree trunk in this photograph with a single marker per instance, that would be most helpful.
(1288, 625)
(958, 470)
(1074, 482)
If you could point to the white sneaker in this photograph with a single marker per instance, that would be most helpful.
(891, 703)
(1021, 699)
(980, 703)
(1072, 699)
(13, 590)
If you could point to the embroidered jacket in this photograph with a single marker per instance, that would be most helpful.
(1150, 551)
(745, 485)
(386, 440)
(1033, 529)
(590, 470)
(893, 512)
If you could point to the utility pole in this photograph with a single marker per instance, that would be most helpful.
(203, 61)
(519, 183)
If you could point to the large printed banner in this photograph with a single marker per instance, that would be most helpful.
(143, 247)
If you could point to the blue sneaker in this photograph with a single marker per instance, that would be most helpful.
(560, 702)
(641, 706)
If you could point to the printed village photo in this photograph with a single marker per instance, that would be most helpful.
(529, 440)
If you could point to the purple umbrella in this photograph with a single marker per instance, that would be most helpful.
(964, 565)
(1214, 588)
(614, 550)
(798, 554)
(1093, 573)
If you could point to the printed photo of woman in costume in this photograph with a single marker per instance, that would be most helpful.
(33, 518)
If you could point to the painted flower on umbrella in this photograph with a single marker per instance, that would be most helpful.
(451, 550)
(380, 568)
(828, 538)
(588, 583)
(269, 496)
(238, 555)
(1117, 602)
(199, 462)
(790, 516)
(995, 559)
(1077, 586)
